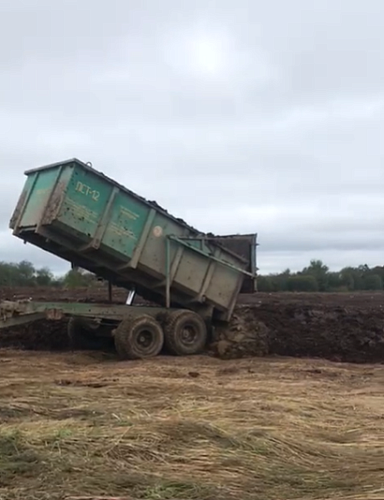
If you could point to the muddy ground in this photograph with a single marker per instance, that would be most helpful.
(339, 327)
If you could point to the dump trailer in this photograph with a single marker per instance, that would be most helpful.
(77, 213)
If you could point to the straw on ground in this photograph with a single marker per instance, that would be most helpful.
(189, 428)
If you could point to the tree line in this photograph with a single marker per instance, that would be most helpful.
(318, 278)
(314, 278)
(25, 274)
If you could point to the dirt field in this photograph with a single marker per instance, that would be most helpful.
(366, 300)
(189, 428)
(201, 427)
(339, 327)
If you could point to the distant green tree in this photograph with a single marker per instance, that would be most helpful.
(76, 278)
(21, 274)
(284, 279)
(378, 270)
(348, 278)
(274, 284)
(373, 282)
(26, 273)
(302, 283)
(358, 276)
(319, 271)
(44, 277)
(315, 277)
(7, 274)
(264, 284)
(335, 282)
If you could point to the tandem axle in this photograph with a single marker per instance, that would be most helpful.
(137, 331)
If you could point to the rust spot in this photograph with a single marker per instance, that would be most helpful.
(54, 204)
(54, 314)
(19, 207)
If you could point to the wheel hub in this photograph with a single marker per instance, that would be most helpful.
(145, 338)
(188, 335)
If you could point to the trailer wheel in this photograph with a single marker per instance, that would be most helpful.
(185, 333)
(80, 338)
(138, 337)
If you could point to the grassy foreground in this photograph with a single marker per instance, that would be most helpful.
(196, 428)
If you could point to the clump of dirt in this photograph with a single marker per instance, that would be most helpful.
(244, 336)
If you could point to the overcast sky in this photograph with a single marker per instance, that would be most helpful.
(238, 116)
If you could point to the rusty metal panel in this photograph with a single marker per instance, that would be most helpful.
(34, 199)
(245, 246)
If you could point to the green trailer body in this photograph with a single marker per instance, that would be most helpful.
(77, 213)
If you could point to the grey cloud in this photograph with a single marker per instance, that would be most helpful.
(281, 135)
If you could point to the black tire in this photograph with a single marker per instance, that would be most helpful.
(185, 333)
(138, 337)
(80, 338)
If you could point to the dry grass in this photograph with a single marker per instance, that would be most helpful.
(195, 428)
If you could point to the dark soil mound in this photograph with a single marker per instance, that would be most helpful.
(40, 336)
(336, 333)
